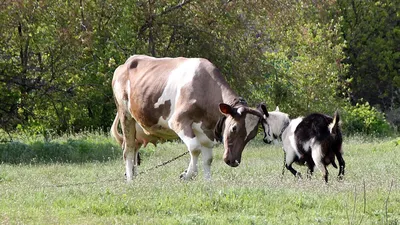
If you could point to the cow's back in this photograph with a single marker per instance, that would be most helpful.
(154, 89)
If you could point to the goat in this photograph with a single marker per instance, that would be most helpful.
(274, 124)
(314, 140)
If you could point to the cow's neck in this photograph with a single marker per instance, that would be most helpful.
(237, 101)
(231, 98)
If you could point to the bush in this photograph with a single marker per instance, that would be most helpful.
(362, 118)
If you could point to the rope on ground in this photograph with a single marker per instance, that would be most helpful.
(112, 180)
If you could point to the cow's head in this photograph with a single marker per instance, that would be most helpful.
(236, 128)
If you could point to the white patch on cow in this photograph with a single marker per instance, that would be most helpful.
(128, 91)
(197, 142)
(129, 165)
(118, 92)
(191, 143)
(250, 122)
(162, 122)
(201, 136)
(180, 76)
(196, 145)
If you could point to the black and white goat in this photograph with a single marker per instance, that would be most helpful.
(314, 140)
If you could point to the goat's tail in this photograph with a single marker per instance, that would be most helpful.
(114, 131)
(334, 126)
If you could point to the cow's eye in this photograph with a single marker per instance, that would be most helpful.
(233, 129)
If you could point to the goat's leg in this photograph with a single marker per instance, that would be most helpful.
(342, 164)
(310, 168)
(316, 153)
(293, 171)
(290, 157)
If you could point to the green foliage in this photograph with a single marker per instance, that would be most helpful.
(371, 31)
(362, 118)
(57, 57)
(304, 75)
(72, 149)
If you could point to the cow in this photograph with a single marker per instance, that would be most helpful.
(161, 99)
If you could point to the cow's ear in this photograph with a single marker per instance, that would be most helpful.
(226, 109)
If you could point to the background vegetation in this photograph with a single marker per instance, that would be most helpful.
(57, 57)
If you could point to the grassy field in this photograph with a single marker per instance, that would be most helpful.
(80, 180)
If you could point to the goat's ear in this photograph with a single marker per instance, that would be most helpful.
(263, 109)
(277, 109)
(226, 109)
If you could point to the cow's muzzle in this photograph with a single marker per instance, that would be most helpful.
(232, 163)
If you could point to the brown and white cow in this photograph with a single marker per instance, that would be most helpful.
(161, 99)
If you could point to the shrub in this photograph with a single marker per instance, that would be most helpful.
(362, 118)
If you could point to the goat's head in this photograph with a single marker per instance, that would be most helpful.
(274, 123)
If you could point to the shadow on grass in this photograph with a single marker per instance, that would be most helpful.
(70, 151)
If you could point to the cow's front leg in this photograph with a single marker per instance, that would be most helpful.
(207, 160)
(184, 129)
(191, 171)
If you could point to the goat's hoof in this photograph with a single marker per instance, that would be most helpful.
(340, 177)
(299, 176)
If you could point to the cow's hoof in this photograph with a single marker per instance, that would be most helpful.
(188, 176)
(183, 175)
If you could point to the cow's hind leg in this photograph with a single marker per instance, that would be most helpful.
(131, 147)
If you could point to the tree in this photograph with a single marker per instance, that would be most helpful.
(371, 30)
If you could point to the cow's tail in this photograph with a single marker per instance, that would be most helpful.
(114, 131)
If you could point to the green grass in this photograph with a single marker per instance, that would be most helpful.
(86, 185)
